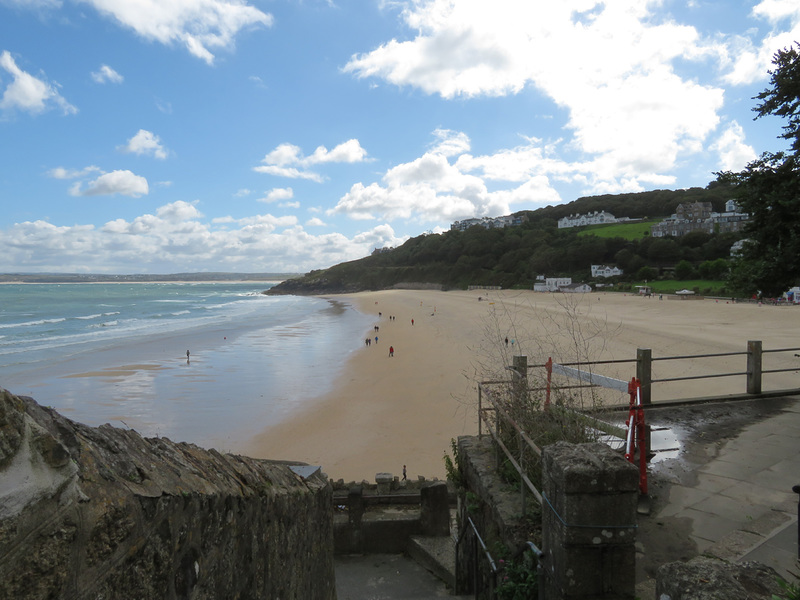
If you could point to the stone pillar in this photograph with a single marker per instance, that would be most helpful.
(434, 510)
(355, 513)
(384, 481)
(589, 522)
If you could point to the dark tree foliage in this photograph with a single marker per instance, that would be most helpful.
(769, 189)
(782, 98)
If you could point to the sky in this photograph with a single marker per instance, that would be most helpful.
(153, 136)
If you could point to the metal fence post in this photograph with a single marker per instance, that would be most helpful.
(644, 373)
(480, 406)
(753, 367)
(796, 490)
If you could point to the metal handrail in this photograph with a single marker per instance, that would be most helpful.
(539, 556)
(486, 552)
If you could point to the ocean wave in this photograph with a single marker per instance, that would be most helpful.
(105, 324)
(181, 312)
(32, 323)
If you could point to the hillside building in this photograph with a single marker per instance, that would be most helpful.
(605, 271)
(593, 218)
(699, 216)
(488, 222)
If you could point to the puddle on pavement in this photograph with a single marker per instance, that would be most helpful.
(664, 443)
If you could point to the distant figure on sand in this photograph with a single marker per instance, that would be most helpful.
(412, 321)
(391, 350)
(404, 472)
(376, 339)
(187, 357)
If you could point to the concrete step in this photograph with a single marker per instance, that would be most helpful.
(386, 577)
(437, 555)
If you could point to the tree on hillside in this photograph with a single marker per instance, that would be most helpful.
(769, 190)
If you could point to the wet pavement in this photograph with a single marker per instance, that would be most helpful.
(728, 492)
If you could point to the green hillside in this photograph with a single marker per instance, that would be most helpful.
(513, 257)
(626, 231)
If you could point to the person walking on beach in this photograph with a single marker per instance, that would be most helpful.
(376, 339)
(404, 473)
(412, 322)
(391, 351)
(187, 357)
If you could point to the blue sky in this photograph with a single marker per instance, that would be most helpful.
(288, 135)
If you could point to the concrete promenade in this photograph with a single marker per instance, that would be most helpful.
(731, 497)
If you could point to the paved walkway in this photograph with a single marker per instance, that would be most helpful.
(735, 496)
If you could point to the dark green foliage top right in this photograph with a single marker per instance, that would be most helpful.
(769, 189)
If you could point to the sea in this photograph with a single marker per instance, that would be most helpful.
(208, 363)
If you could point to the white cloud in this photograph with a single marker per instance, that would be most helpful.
(734, 153)
(288, 160)
(777, 10)
(147, 143)
(28, 93)
(290, 172)
(444, 186)
(426, 189)
(243, 192)
(277, 194)
(177, 238)
(62, 173)
(122, 182)
(106, 74)
(315, 222)
(450, 143)
(199, 25)
(608, 64)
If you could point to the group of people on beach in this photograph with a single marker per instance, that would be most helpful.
(368, 341)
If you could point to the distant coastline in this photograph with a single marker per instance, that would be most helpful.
(143, 278)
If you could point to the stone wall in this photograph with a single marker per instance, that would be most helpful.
(104, 513)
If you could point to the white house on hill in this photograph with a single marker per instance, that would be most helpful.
(592, 218)
(605, 271)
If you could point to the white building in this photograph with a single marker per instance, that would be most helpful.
(576, 288)
(605, 271)
(592, 218)
(552, 284)
(488, 222)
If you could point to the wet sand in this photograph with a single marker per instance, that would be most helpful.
(384, 412)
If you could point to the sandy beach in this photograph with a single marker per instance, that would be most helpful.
(385, 411)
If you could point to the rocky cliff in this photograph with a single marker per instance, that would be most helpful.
(105, 513)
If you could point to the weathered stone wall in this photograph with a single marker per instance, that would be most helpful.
(494, 507)
(104, 513)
